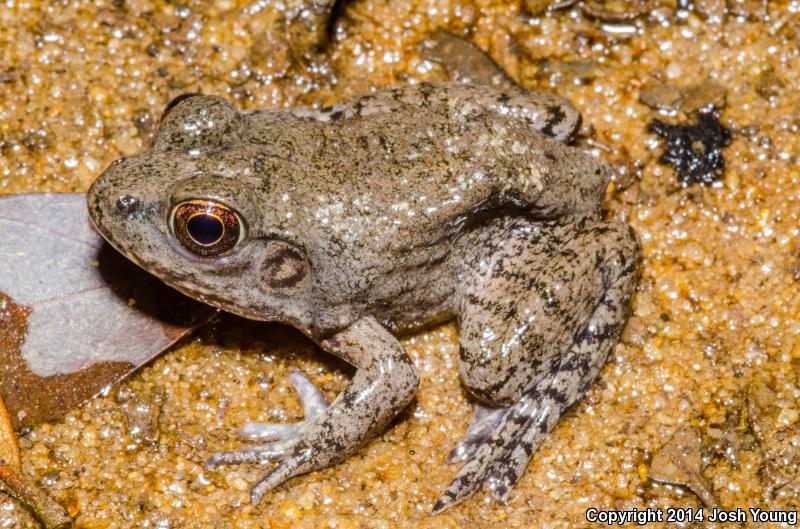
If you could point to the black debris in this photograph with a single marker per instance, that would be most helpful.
(694, 150)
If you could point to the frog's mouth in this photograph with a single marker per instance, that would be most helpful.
(183, 279)
(126, 221)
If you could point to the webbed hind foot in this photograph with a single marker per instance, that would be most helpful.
(496, 449)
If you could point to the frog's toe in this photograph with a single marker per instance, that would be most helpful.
(314, 405)
(265, 431)
(483, 424)
(258, 454)
(314, 402)
(299, 462)
(287, 444)
(295, 456)
(496, 449)
(283, 435)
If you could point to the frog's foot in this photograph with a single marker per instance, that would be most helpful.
(484, 422)
(384, 383)
(497, 447)
(499, 444)
(280, 434)
(314, 405)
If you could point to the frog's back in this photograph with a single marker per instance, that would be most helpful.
(414, 166)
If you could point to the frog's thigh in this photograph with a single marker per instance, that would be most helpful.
(526, 306)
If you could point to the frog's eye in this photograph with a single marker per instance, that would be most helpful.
(206, 228)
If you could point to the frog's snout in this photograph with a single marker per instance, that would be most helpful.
(110, 205)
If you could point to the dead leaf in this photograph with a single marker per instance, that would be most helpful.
(704, 96)
(679, 462)
(615, 11)
(661, 96)
(67, 327)
(463, 61)
(727, 439)
(9, 448)
(47, 511)
(779, 443)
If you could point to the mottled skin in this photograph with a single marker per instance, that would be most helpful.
(395, 210)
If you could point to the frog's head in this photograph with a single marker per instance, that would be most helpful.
(184, 210)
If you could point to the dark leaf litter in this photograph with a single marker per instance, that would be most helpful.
(694, 150)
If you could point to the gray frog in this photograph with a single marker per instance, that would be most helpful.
(373, 218)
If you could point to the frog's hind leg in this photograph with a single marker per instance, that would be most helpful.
(522, 299)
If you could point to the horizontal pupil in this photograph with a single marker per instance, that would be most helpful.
(205, 229)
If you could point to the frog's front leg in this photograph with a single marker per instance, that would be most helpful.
(540, 313)
(384, 383)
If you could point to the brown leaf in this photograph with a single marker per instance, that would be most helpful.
(678, 462)
(661, 96)
(47, 511)
(615, 11)
(779, 443)
(464, 61)
(9, 448)
(704, 95)
(68, 328)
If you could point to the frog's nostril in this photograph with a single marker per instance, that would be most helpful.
(127, 204)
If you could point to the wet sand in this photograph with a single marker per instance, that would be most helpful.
(715, 317)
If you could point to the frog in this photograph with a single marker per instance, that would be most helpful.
(367, 220)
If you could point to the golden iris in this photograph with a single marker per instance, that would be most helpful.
(206, 228)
